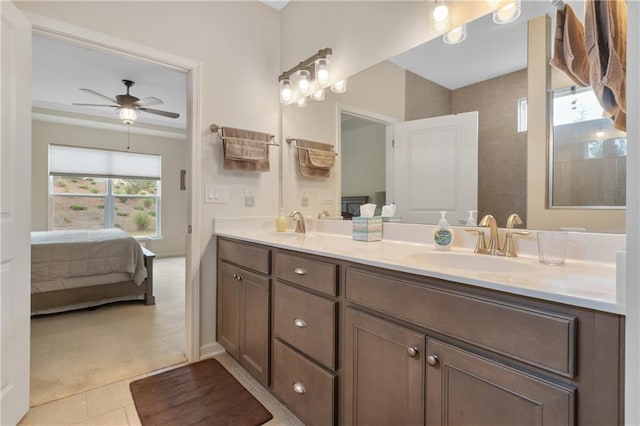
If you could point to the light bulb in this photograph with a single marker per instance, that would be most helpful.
(441, 12)
(304, 81)
(507, 13)
(127, 115)
(302, 102)
(339, 86)
(322, 71)
(456, 35)
(318, 95)
(285, 90)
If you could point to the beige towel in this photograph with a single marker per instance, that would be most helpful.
(315, 159)
(245, 150)
(570, 55)
(605, 26)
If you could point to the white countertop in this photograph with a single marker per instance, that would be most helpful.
(579, 283)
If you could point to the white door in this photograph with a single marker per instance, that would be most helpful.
(435, 166)
(15, 212)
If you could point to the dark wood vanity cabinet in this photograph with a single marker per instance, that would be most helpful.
(243, 305)
(345, 343)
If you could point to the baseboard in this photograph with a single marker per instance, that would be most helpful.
(210, 350)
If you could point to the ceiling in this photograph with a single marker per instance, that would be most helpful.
(61, 69)
(493, 49)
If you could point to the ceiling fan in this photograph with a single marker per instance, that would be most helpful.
(127, 105)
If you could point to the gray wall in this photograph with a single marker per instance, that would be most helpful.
(502, 168)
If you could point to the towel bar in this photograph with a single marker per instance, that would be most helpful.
(217, 130)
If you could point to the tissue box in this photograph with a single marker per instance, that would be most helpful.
(367, 228)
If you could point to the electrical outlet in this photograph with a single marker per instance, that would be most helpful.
(249, 200)
(304, 202)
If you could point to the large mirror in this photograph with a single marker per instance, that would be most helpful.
(486, 75)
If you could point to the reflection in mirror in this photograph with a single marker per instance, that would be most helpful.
(589, 156)
(486, 73)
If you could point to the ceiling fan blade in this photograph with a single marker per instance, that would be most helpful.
(113, 106)
(93, 92)
(151, 100)
(158, 112)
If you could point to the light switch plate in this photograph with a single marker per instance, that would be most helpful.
(326, 197)
(214, 194)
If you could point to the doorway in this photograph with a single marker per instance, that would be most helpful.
(189, 276)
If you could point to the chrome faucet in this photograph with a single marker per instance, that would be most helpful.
(509, 249)
(323, 213)
(494, 240)
(299, 218)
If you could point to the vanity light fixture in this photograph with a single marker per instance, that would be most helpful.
(456, 35)
(127, 115)
(507, 13)
(441, 11)
(286, 94)
(309, 79)
(318, 95)
(339, 86)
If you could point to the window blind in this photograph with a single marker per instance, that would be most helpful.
(75, 161)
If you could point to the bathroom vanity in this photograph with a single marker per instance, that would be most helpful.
(376, 338)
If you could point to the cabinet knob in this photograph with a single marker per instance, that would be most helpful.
(298, 322)
(432, 360)
(298, 388)
(235, 276)
(412, 351)
(300, 271)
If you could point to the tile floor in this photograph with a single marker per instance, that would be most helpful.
(113, 405)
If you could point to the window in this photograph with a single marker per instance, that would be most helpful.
(522, 115)
(129, 202)
(588, 155)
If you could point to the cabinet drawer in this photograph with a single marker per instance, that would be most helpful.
(310, 273)
(250, 256)
(306, 388)
(307, 322)
(543, 339)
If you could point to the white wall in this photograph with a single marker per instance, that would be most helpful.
(238, 45)
(174, 159)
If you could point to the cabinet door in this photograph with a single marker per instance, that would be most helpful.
(464, 389)
(383, 372)
(228, 307)
(254, 327)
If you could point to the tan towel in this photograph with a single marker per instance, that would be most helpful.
(605, 25)
(315, 159)
(245, 150)
(569, 53)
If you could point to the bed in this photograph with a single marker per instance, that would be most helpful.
(79, 269)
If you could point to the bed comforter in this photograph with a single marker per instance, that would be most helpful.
(57, 255)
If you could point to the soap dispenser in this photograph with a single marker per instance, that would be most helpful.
(281, 222)
(443, 234)
(471, 220)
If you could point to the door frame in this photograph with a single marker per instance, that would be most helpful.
(87, 38)
(371, 116)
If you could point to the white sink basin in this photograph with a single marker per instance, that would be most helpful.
(478, 263)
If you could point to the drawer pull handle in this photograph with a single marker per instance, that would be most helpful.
(300, 271)
(235, 276)
(432, 360)
(412, 351)
(300, 323)
(298, 388)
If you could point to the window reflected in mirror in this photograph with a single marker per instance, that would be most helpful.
(589, 156)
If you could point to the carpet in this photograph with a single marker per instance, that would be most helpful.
(203, 393)
(77, 351)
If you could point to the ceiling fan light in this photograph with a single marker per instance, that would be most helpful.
(127, 115)
(456, 35)
(507, 13)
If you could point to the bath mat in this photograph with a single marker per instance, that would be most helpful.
(203, 393)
